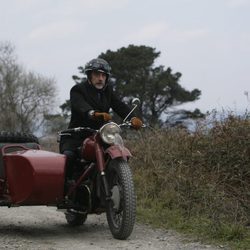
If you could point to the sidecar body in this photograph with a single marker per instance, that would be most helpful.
(30, 176)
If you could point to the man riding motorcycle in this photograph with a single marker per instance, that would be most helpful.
(90, 103)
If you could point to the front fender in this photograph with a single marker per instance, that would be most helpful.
(117, 151)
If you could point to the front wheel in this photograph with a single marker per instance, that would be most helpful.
(121, 208)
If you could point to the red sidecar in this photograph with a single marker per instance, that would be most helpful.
(30, 176)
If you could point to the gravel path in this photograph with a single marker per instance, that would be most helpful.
(46, 228)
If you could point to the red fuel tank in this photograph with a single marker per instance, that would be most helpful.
(35, 177)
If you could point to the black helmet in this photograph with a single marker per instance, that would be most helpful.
(97, 64)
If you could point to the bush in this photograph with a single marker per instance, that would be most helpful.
(203, 178)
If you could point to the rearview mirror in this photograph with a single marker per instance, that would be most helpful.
(136, 101)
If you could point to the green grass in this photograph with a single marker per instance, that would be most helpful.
(198, 228)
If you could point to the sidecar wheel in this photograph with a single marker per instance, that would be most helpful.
(121, 209)
(75, 218)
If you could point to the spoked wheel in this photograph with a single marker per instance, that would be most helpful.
(75, 218)
(121, 209)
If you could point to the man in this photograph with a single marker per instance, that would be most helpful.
(90, 102)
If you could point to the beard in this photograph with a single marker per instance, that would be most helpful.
(99, 85)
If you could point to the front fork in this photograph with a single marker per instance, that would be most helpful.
(101, 167)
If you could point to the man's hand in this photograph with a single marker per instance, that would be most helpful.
(136, 123)
(102, 116)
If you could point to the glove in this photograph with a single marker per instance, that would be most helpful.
(102, 116)
(136, 123)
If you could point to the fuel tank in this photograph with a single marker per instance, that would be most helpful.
(35, 177)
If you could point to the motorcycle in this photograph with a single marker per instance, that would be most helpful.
(102, 177)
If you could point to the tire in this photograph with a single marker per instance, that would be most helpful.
(15, 137)
(121, 209)
(75, 218)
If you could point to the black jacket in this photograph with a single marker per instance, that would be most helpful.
(85, 97)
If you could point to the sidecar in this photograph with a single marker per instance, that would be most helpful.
(30, 176)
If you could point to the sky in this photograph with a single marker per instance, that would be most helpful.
(207, 41)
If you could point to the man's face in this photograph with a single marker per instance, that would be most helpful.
(98, 79)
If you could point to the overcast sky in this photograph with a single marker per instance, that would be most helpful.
(208, 41)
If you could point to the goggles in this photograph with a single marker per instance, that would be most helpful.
(98, 66)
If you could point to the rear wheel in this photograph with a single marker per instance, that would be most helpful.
(121, 209)
(75, 218)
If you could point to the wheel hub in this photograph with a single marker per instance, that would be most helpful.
(115, 197)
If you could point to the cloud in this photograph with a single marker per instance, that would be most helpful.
(29, 5)
(192, 34)
(237, 3)
(64, 7)
(149, 32)
(101, 4)
(161, 31)
(87, 7)
(56, 30)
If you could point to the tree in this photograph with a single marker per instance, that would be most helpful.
(65, 107)
(24, 97)
(134, 75)
(54, 123)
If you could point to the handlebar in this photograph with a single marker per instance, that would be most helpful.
(129, 124)
(80, 129)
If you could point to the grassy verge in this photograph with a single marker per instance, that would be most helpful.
(197, 227)
(196, 183)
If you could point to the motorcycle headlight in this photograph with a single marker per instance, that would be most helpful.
(109, 132)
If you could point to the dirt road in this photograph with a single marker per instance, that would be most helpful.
(46, 228)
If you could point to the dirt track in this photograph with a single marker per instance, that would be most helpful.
(46, 228)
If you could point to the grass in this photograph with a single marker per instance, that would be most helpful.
(196, 183)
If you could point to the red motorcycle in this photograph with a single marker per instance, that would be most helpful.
(102, 177)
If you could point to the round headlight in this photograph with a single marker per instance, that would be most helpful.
(109, 132)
